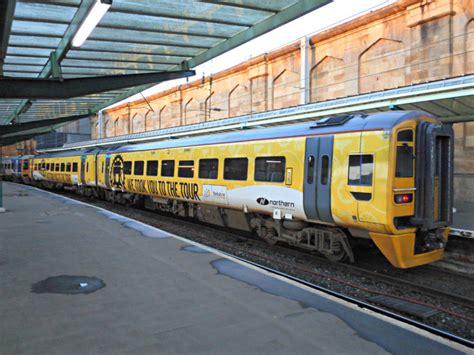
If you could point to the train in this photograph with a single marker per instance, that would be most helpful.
(324, 185)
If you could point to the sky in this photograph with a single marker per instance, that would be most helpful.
(333, 14)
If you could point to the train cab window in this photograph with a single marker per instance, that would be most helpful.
(208, 168)
(74, 167)
(138, 167)
(68, 167)
(361, 168)
(63, 167)
(152, 168)
(405, 136)
(127, 167)
(186, 168)
(324, 170)
(167, 168)
(235, 168)
(404, 163)
(270, 169)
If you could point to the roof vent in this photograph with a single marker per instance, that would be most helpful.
(336, 120)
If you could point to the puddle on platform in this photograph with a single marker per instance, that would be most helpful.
(143, 229)
(195, 249)
(68, 285)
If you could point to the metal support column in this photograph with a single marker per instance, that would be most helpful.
(2, 171)
(304, 70)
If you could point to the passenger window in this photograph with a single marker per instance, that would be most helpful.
(405, 136)
(167, 168)
(152, 168)
(74, 167)
(361, 169)
(68, 167)
(138, 167)
(208, 168)
(63, 167)
(186, 168)
(404, 164)
(57, 166)
(127, 167)
(235, 168)
(270, 169)
(310, 177)
(47, 166)
(324, 170)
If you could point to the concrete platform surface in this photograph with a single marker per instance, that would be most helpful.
(163, 294)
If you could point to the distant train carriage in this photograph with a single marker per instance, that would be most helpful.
(320, 186)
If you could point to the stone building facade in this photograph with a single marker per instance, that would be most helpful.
(407, 42)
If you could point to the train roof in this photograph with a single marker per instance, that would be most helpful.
(72, 153)
(336, 124)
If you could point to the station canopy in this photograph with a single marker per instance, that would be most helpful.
(46, 82)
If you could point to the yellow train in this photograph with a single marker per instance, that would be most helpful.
(321, 185)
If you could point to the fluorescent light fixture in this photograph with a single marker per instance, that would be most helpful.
(94, 16)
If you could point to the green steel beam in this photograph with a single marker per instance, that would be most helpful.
(7, 8)
(41, 88)
(298, 9)
(61, 50)
(22, 127)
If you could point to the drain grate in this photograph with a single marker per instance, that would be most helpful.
(68, 285)
(414, 309)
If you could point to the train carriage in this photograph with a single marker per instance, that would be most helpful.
(385, 177)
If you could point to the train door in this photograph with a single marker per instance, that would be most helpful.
(317, 184)
(107, 170)
(83, 169)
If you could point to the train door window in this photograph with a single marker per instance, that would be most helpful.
(138, 167)
(74, 167)
(152, 168)
(404, 163)
(361, 167)
(271, 169)
(324, 170)
(235, 168)
(25, 165)
(63, 167)
(102, 167)
(186, 168)
(310, 177)
(87, 167)
(68, 167)
(208, 168)
(167, 168)
(127, 167)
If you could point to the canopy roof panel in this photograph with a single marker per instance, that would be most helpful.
(134, 37)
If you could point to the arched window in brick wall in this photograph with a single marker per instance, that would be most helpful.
(327, 79)
(382, 66)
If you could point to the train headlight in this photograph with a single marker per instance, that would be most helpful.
(403, 198)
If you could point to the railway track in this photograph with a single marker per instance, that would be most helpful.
(351, 281)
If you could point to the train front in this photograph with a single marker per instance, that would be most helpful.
(421, 208)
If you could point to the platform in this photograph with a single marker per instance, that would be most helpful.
(163, 294)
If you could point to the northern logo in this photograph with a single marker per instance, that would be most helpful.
(262, 201)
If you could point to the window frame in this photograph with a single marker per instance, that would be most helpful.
(186, 165)
(138, 162)
(266, 158)
(360, 155)
(246, 168)
(148, 167)
(211, 160)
